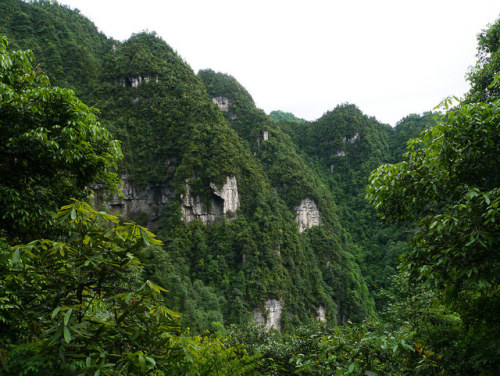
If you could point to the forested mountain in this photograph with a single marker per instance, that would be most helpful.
(259, 219)
(179, 151)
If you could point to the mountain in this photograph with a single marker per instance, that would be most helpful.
(68, 46)
(287, 116)
(262, 217)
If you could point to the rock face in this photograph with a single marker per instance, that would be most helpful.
(229, 194)
(222, 102)
(265, 135)
(352, 139)
(136, 81)
(273, 309)
(148, 201)
(307, 215)
(321, 314)
(193, 209)
(133, 201)
(222, 202)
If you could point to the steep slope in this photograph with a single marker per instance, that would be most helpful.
(409, 127)
(300, 187)
(67, 46)
(181, 153)
(346, 146)
(234, 250)
(258, 214)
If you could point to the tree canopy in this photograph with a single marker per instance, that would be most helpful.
(51, 147)
(85, 291)
(482, 74)
(449, 192)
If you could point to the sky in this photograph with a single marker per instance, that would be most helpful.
(391, 58)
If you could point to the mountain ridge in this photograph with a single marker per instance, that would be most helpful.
(186, 139)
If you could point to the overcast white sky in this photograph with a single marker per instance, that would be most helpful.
(389, 57)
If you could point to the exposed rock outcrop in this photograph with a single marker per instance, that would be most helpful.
(222, 102)
(148, 201)
(193, 208)
(352, 139)
(133, 201)
(321, 314)
(265, 135)
(222, 202)
(307, 215)
(273, 314)
(229, 194)
(137, 80)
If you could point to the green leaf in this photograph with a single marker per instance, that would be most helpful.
(151, 360)
(17, 256)
(142, 362)
(67, 316)
(67, 335)
(55, 312)
(153, 286)
(351, 368)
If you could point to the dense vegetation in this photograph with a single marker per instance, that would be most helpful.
(84, 292)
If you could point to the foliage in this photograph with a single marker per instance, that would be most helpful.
(275, 350)
(354, 350)
(294, 177)
(407, 128)
(418, 312)
(449, 191)
(68, 46)
(367, 349)
(482, 75)
(205, 355)
(62, 300)
(80, 303)
(51, 147)
(286, 116)
(344, 146)
(171, 132)
(245, 118)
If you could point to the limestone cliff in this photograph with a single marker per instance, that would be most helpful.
(133, 201)
(321, 314)
(223, 201)
(307, 215)
(222, 102)
(273, 313)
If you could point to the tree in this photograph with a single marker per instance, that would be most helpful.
(79, 306)
(488, 64)
(79, 303)
(449, 190)
(51, 147)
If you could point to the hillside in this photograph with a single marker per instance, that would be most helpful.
(175, 228)
(202, 162)
(226, 207)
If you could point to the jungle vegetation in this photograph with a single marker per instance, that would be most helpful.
(404, 263)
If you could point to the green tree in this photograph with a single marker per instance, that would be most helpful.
(449, 190)
(481, 76)
(78, 304)
(51, 147)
